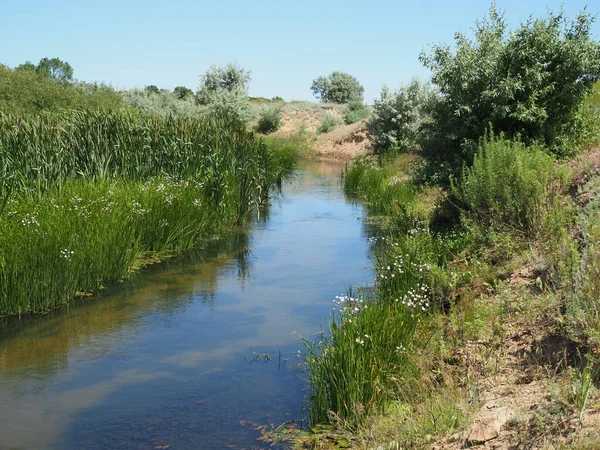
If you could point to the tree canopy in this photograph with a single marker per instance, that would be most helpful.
(528, 83)
(337, 87)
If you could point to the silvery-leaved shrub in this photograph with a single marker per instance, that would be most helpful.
(162, 104)
(398, 116)
(224, 90)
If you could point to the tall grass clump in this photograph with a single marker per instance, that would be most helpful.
(40, 153)
(509, 184)
(84, 194)
(354, 367)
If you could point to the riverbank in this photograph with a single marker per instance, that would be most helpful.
(301, 120)
(168, 357)
(123, 187)
(504, 353)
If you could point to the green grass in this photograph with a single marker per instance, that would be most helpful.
(83, 194)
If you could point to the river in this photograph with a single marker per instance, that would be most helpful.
(198, 352)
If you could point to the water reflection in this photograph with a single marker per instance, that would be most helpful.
(163, 359)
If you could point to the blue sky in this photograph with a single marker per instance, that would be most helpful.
(286, 44)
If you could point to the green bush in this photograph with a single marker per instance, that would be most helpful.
(355, 111)
(29, 92)
(338, 87)
(528, 83)
(397, 118)
(269, 120)
(328, 123)
(509, 184)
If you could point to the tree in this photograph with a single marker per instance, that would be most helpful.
(182, 92)
(26, 66)
(60, 71)
(529, 83)
(338, 87)
(152, 89)
(398, 117)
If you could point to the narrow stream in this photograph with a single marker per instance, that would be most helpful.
(175, 357)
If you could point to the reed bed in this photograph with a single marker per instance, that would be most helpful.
(84, 194)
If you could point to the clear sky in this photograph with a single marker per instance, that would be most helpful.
(286, 44)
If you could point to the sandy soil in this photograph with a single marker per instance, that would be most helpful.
(344, 143)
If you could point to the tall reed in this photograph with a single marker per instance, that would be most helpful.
(83, 193)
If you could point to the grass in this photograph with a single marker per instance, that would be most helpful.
(364, 393)
(120, 185)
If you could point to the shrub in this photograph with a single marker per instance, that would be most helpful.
(397, 118)
(27, 91)
(328, 123)
(509, 184)
(583, 301)
(224, 90)
(232, 104)
(162, 103)
(528, 83)
(269, 120)
(338, 87)
(355, 112)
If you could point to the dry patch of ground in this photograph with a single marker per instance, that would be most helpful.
(529, 384)
(344, 143)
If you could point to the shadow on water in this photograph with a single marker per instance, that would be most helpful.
(166, 358)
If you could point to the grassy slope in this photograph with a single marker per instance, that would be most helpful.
(509, 336)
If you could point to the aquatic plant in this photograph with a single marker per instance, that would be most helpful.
(83, 194)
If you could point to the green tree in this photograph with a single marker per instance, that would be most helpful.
(152, 89)
(27, 65)
(398, 117)
(60, 71)
(337, 87)
(182, 92)
(529, 83)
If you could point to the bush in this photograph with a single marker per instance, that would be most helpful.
(162, 104)
(509, 184)
(232, 104)
(328, 123)
(338, 87)
(224, 90)
(269, 120)
(355, 111)
(397, 118)
(25, 91)
(529, 83)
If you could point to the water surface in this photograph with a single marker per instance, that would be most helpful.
(174, 357)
